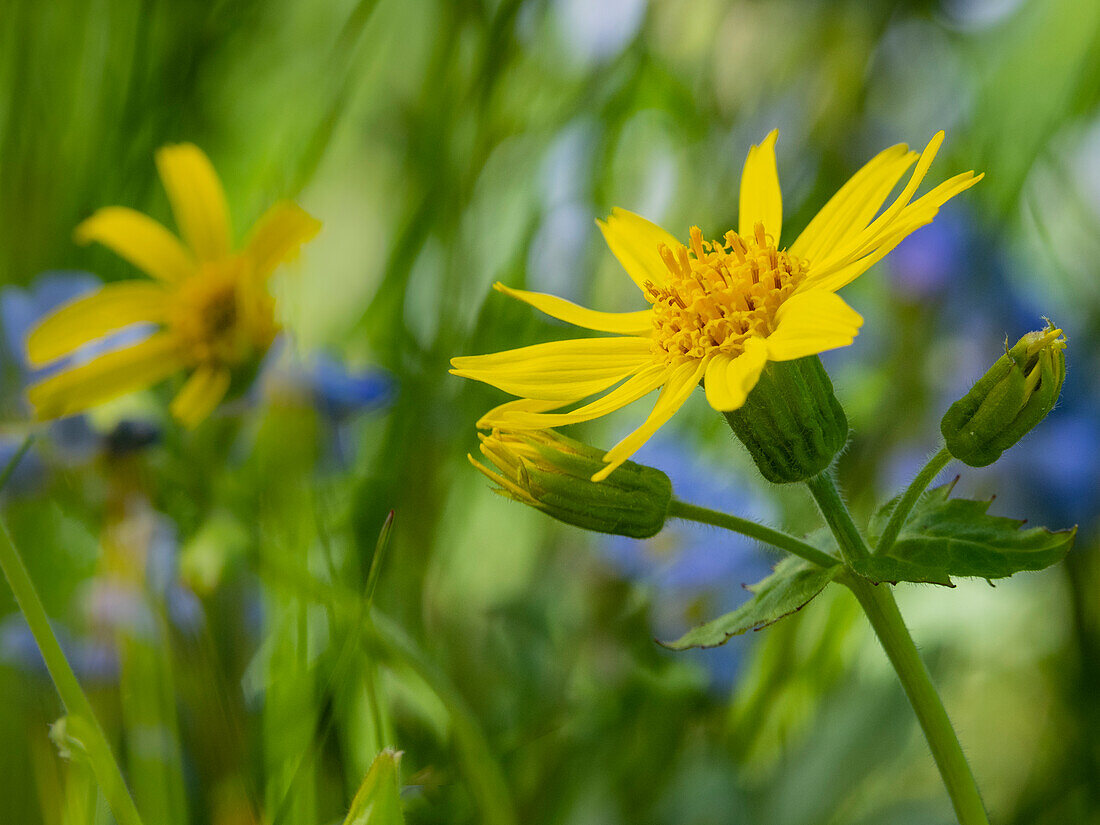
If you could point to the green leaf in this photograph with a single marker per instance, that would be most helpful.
(793, 584)
(378, 801)
(947, 537)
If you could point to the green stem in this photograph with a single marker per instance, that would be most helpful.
(835, 511)
(882, 611)
(776, 538)
(103, 763)
(909, 498)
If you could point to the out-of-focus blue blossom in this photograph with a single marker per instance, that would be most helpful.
(325, 382)
(980, 14)
(118, 607)
(691, 564)
(903, 464)
(932, 258)
(28, 472)
(94, 662)
(74, 437)
(21, 309)
(121, 605)
(555, 261)
(1053, 474)
(599, 31)
(162, 577)
(339, 391)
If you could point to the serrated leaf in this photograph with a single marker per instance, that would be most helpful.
(378, 800)
(945, 537)
(787, 590)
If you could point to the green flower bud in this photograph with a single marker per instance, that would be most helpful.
(554, 474)
(791, 422)
(1015, 395)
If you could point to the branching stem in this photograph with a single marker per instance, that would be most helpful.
(776, 538)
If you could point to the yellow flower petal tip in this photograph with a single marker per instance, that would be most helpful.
(210, 305)
(722, 308)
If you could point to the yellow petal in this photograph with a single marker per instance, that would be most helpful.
(508, 408)
(278, 235)
(857, 245)
(624, 323)
(92, 316)
(832, 279)
(563, 371)
(761, 199)
(812, 322)
(635, 242)
(678, 386)
(140, 240)
(197, 200)
(200, 394)
(854, 205)
(730, 380)
(915, 215)
(638, 385)
(108, 376)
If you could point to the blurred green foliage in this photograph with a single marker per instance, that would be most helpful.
(445, 145)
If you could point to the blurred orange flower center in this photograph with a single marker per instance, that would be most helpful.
(218, 320)
(720, 293)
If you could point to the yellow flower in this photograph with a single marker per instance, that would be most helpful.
(211, 306)
(718, 310)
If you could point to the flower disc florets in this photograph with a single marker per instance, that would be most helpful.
(719, 293)
(222, 316)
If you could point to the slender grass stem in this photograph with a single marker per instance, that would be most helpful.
(88, 731)
(909, 498)
(882, 611)
(885, 618)
(487, 783)
(691, 512)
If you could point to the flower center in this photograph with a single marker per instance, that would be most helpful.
(218, 319)
(720, 293)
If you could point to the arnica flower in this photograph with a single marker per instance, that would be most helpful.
(719, 310)
(210, 306)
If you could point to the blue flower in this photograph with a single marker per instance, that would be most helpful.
(21, 309)
(94, 662)
(339, 391)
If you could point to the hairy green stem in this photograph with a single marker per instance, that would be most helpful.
(909, 498)
(835, 511)
(882, 611)
(88, 730)
(797, 547)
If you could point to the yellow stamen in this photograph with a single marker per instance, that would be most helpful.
(720, 293)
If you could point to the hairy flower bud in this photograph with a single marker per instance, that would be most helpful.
(1015, 394)
(791, 422)
(554, 474)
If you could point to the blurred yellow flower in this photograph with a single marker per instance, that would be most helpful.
(211, 306)
(719, 310)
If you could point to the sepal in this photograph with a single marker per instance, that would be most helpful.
(791, 422)
(1004, 405)
(553, 473)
